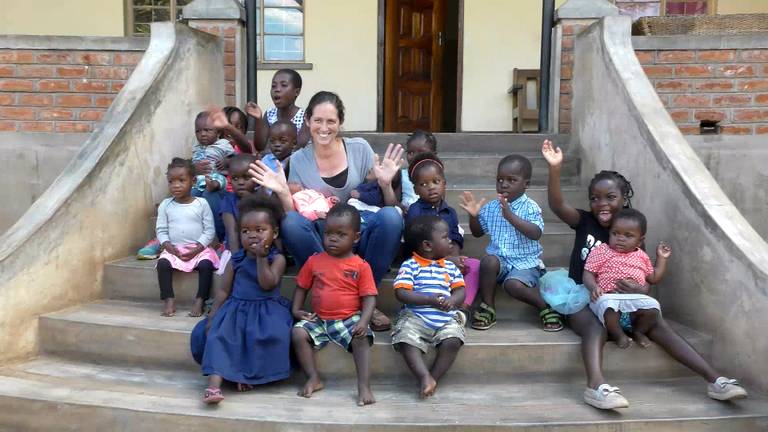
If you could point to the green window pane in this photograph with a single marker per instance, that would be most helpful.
(141, 29)
(161, 14)
(283, 48)
(283, 21)
(165, 3)
(142, 3)
(297, 3)
(142, 15)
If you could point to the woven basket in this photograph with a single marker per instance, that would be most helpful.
(701, 25)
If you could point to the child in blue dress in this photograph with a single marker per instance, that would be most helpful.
(246, 338)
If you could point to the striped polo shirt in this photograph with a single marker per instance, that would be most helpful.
(425, 276)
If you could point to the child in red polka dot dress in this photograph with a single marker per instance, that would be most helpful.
(622, 259)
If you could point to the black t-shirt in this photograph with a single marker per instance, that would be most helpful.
(589, 235)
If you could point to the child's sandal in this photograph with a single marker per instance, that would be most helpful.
(212, 396)
(551, 321)
(484, 317)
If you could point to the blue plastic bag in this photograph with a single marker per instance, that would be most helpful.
(561, 292)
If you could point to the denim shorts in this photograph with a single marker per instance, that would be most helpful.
(529, 277)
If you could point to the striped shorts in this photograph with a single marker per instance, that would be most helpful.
(338, 331)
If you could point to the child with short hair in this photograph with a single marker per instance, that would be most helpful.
(185, 230)
(246, 337)
(622, 258)
(515, 224)
(427, 174)
(243, 185)
(286, 88)
(343, 299)
(419, 141)
(282, 142)
(431, 289)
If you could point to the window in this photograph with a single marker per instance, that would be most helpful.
(140, 13)
(280, 30)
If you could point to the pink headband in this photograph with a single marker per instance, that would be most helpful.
(413, 168)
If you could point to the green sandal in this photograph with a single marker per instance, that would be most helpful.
(549, 317)
(484, 317)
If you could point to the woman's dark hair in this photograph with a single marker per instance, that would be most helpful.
(624, 185)
(295, 78)
(325, 97)
(178, 162)
(423, 160)
(229, 110)
(419, 230)
(267, 204)
(634, 216)
(426, 136)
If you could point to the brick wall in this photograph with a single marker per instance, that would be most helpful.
(570, 30)
(639, 8)
(228, 31)
(729, 86)
(61, 90)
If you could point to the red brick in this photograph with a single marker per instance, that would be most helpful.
(693, 71)
(72, 71)
(646, 57)
(128, 58)
(53, 85)
(229, 59)
(690, 101)
(55, 114)
(736, 70)
(731, 100)
(229, 45)
(35, 100)
(566, 58)
(94, 58)
(36, 126)
(761, 130)
(750, 115)
(14, 56)
(680, 116)
(229, 88)
(91, 115)
(214, 30)
(690, 130)
(111, 72)
(116, 87)
(73, 126)
(7, 126)
(7, 71)
(709, 115)
(761, 99)
(566, 72)
(672, 86)
(17, 85)
(17, 113)
(229, 73)
(230, 31)
(658, 71)
(53, 57)
(573, 29)
(714, 86)
(736, 130)
(92, 86)
(74, 100)
(755, 85)
(34, 71)
(717, 56)
(754, 55)
(230, 100)
(676, 56)
(565, 101)
(7, 99)
(103, 101)
(565, 128)
(565, 87)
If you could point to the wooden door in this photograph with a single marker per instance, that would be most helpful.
(413, 65)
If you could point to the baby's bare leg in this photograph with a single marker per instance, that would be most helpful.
(611, 318)
(644, 320)
(415, 361)
(446, 354)
(361, 352)
(304, 348)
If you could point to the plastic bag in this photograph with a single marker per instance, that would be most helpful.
(561, 292)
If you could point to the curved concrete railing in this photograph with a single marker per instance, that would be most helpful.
(719, 269)
(95, 210)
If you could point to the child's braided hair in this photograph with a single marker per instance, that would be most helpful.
(624, 185)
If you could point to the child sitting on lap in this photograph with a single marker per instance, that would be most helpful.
(431, 289)
(282, 142)
(343, 298)
(623, 258)
(515, 225)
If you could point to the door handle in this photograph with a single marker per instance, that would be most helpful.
(440, 38)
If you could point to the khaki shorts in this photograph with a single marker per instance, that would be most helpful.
(410, 329)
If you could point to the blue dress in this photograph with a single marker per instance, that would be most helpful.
(250, 336)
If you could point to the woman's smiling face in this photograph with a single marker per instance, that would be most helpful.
(324, 124)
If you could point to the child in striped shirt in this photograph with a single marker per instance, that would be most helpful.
(431, 289)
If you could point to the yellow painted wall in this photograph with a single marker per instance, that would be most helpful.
(499, 35)
(341, 43)
(742, 6)
(62, 17)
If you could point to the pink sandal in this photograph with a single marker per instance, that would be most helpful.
(212, 396)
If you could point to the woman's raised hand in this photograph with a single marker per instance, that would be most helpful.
(269, 179)
(552, 154)
(385, 169)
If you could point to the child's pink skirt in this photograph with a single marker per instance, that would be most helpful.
(188, 266)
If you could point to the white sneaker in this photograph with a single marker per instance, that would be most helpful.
(725, 389)
(605, 397)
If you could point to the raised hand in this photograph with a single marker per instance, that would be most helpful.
(553, 155)
(469, 204)
(663, 250)
(386, 169)
(264, 176)
(218, 119)
(253, 110)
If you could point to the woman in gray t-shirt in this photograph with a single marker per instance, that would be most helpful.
(334, 166)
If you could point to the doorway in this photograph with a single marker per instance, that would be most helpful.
(421, 65)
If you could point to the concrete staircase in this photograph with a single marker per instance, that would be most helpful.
(117, 365)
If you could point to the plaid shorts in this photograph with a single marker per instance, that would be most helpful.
(410, 329)
(339, 331)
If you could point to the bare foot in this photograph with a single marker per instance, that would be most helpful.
(623, 341)
(312, 385)
(170, 307)
(428, 387)
(242, 388)
(364, 395)
(642, 340)
(197, 308)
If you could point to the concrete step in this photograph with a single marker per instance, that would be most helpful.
(91, 397)
(480, 168)
(574, 195)
(134, 334)
(499, 142)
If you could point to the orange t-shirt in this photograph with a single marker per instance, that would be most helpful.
(337, 284)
